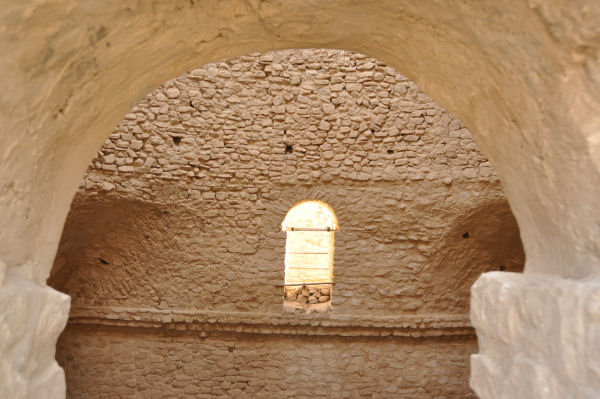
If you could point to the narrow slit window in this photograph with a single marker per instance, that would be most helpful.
(310, 228)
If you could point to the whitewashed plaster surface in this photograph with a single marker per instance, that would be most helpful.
(31, 320)
(523, 75)
(540, 329)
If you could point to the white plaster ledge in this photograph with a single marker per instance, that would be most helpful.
(539, 337)
(31, 319)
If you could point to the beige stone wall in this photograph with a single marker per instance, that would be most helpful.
(199, 217)
(180, 212)
(175, 365)
(523, 75)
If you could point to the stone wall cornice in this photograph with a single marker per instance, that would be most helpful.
(207, 321)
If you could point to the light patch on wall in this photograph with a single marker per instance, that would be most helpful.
(309, 226)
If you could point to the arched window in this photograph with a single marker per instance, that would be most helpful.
(309, 227)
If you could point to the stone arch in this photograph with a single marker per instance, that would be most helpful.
(527, 78)
(204, 35)
(360, 127)
(333, 224)
(197, 215)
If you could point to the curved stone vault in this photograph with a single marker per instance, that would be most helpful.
(176, 222)
(523, 76)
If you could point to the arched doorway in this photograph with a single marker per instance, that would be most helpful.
(178, 220)
(532, 105)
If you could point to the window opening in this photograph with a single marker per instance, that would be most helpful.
(310, 228)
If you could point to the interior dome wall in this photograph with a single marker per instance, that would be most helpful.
(180, 210)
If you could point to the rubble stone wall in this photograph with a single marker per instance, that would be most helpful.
(181, 208)
(309, 294)
(159, 365)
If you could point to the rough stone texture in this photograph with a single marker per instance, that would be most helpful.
(243, 122)
(558, 349)
(181, 209)
(195, 221)
(522, 75)
(134, 364)
(30, 325)
(309, 297)
(128, 253)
